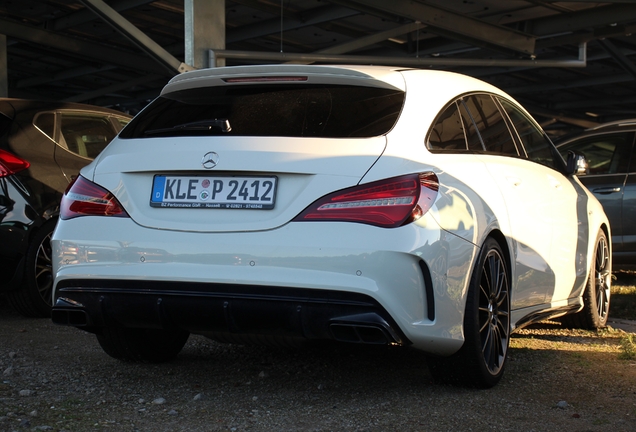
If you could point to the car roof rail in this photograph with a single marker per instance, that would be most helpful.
(624, 122)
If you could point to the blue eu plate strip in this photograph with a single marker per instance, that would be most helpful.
(158, 188)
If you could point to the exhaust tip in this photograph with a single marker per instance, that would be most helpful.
(69, 312)
(359, 334)
(367, 328)
(75, 318)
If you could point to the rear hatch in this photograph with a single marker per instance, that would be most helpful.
(234, 150)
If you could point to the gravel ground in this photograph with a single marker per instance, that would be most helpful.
(56, 378)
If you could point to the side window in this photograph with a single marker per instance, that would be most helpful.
(537, 145)
(86, 135)
(492, 127)
(472, 136)
(605, 154)
(448, 132)
(46, 123)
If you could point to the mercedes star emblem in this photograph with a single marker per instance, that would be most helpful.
(210, 159)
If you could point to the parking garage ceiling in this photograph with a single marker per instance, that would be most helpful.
(571, 63)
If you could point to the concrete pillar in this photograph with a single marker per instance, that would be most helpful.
(4, 75)
(204, 30)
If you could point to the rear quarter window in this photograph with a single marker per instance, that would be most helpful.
(472, 123)
(325, 111)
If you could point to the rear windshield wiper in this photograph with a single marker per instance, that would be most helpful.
(202, 125)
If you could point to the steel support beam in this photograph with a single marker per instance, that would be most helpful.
(590, 18)
(371, 39)
(204, 30)
(586, 36)
(618, 56)
(273, 26)
(136, 36)
(555, 116)
(368, 40)
(453, 23)
(394, 61)
(78, 47)
(85, 15)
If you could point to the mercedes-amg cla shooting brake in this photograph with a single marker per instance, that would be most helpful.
(369, 205)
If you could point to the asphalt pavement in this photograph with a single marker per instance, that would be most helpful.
(628, 326)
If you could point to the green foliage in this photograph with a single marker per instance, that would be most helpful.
(623, 301)
(628, 347)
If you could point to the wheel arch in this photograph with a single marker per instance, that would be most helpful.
(606, 229)
(505, 248)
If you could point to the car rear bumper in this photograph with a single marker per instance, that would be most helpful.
(220, 310)
(338, 281)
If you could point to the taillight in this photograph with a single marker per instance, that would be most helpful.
(11, 164)
(387, 203)
(85, 198)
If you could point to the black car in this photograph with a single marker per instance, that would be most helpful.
(611, 177)
(43, 145)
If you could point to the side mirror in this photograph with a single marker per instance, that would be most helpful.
(576, 164)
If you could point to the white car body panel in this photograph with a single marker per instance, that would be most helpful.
(479, 196)
(304, 255)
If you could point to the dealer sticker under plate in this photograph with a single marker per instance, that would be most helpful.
(231, 192)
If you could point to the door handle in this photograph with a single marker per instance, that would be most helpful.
(606, 191)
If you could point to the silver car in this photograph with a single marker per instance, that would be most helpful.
(611, 177)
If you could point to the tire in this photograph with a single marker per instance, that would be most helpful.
(481, 360)
(142, 345)
(33, 298)
(596, 297)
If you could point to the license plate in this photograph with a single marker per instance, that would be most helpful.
(231, 192)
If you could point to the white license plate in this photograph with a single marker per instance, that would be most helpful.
(231, 192)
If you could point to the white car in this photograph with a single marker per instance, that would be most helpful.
(374, 205)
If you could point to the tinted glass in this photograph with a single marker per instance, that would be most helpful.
(272, 110)
(448, 132)
(86, 135)
(538, 146)
(492, 127)
(605, 154)
(46, 123)
(472, 136)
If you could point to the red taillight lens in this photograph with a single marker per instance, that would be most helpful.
(84, 198)
(387, 203)
(11, 164)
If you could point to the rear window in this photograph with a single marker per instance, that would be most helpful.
(271, 110)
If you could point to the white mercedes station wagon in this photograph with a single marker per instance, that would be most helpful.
(370, 205)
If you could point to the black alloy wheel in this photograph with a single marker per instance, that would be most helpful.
(494, 312)
(43, 270)
(481, 360)
(596, 297)
(33, 297)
